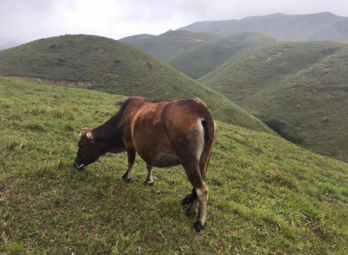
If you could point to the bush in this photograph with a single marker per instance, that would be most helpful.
(284, 129)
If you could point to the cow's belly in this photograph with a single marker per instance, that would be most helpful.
(166, 160)
(155, 151)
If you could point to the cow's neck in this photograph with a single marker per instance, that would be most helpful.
(109, 135)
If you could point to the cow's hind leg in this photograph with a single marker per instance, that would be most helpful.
(193, 173)
(149, 179)
(131, 158)
(192, 201)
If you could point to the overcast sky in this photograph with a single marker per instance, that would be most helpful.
(29, 20)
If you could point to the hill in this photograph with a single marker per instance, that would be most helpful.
(299, 88)
(134, 39)
(267, 196)
(170, 44)
(204, 58)
(320, 26)
(107, 65)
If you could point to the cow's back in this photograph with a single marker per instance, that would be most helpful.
(160, 129)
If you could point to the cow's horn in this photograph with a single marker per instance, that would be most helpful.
(90, 137)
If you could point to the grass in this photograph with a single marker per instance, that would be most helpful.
(90, 62)
(303, 84)
(167, 46)
(323, 26)
(267, 196)
(204, 58)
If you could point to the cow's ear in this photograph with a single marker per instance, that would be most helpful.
(90, 136)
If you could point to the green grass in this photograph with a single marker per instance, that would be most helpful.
(167, 46)
(303, 84)
(267, 196)
(204, 58)
(323, 26)
(91, 59)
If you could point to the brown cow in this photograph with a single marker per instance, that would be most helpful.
(164, 134)
(117, 61)
(61, 59)
(149, 64)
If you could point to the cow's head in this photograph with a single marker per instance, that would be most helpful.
(89, 150)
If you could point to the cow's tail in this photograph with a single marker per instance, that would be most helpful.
(210, 130)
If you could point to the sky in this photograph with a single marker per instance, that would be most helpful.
(28, 20)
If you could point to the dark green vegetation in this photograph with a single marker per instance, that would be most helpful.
(319, 26)
(170, 44)
(204, 58)
(302, 87)
(90, 63)
(267, 196)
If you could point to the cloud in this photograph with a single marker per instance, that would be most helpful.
(34, 19)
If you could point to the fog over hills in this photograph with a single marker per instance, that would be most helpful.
(170, 44)
(307, 27)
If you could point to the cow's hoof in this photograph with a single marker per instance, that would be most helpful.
(148, 183)
(198, 226)
(126, 178)
(188, 199)
(190, 212)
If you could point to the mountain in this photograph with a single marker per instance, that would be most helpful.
(300, 89)
(110, 66)
(6, 43)
(266, 195)
(170, 44)
(320, 26)
(204, 58)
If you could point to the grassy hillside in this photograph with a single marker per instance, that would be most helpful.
(131, 40)
(320, 26)
(301, 87)
(170, 44)
(90, 63)
(204, 58)
(267, 196)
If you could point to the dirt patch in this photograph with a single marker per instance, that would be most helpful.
(54, 82)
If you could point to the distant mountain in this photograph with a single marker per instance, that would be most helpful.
(170, 44)
(8, 45)
(300, 89)
(106, 65)
(320, 26)
(6, 42)
(204, 58)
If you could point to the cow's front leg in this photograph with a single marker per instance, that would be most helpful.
(131, 158)
(149, 179)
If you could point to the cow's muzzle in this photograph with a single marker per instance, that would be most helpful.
(79, 166)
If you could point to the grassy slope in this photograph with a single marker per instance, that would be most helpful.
(135, 38)
(205, 58)
(319, 26)
(306, 86)
(168, 45)
(267, 196)
(92, 59)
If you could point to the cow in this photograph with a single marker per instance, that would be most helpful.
(52, 46)
(61, 59)
(164, 134)
(118, 61)
(149, 64)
